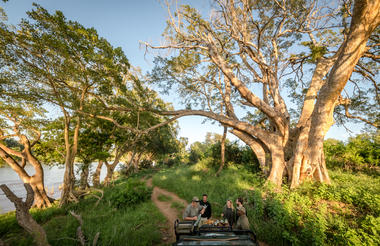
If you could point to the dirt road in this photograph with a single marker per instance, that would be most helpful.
(171, 206)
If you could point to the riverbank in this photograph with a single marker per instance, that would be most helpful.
(116, 218)
(53, 179)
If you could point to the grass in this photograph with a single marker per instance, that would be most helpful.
(131, 225)
(344, 213)
(164, 198)
(177, 205)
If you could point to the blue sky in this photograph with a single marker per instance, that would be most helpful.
(124, 24)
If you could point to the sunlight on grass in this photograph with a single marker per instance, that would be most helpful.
(244, 185)
(196, 178)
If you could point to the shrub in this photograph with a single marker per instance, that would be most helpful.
(131, 193)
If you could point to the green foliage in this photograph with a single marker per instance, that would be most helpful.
(360, 152)
(132, 193)
(316, 52)
(345, 212)
(208, 153)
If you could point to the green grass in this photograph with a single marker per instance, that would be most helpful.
(177, 205)
(164, 198)
(345, 213)
(130, 225)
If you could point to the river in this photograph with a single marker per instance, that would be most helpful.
(53, 179)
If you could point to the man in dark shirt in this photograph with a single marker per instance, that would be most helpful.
(204, 202)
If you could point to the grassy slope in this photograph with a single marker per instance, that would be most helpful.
(138, 225)
(345, 213)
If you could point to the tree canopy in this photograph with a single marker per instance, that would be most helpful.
(243, 64)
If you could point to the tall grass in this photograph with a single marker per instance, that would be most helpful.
(345, 213)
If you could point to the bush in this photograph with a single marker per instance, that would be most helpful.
(131, 193)
(360, 152)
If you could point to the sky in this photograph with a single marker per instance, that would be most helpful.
(124, 24)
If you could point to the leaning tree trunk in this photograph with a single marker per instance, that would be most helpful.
(24, 219)
(96, 175)
(222, 151)
(41, 199)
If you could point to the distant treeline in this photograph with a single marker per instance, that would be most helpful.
(361, 152)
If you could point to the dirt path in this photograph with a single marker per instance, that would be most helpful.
(171, 206)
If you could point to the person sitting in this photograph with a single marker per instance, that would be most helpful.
(193, 210)
(242, 222)
(229, 212)
(207, 206)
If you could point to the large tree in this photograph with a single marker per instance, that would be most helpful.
(66, 65)
(18, 135)
(256, 55)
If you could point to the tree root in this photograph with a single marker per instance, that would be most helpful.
(80, 234)
(89, 193)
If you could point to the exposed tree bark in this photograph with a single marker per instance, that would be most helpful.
(111, 167)
(71, 151)
(96, 175)
(222, 151)
(84, 176)
(136, 162)
(366, 17)
(24, 219)
(36, 181)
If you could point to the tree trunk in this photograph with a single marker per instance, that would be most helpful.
(68, 181)
(108, 178)
(41, 199)
(96, 176)
(24, 219)
(84, 176)
(222, 151)
(278, 164)
(71, 151)
(309, 159)
(136, 162)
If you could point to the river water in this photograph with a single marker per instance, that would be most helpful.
(53, 179)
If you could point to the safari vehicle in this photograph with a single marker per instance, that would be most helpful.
(197, 233)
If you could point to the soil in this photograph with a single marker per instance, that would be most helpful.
(169, 212)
